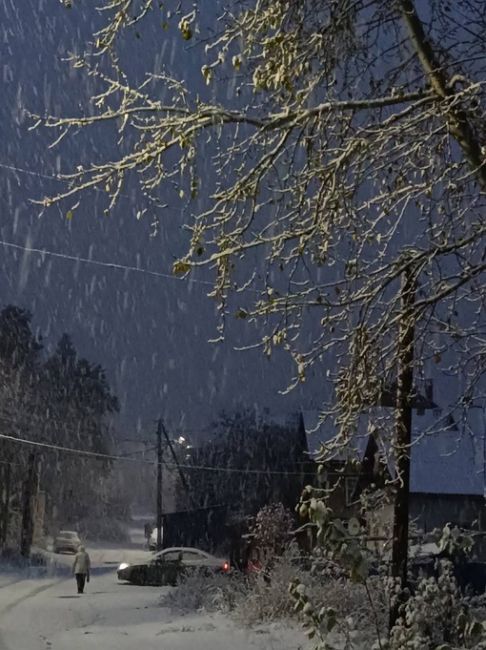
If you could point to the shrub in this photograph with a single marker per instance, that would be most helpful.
(438, 616)
(266, 597)
(198, 592)
(271, 529)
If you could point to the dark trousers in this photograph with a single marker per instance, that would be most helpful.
(81, 581)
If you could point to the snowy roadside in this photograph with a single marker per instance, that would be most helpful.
(13, 573)
(8, 578)
(196, 632)
(115, 616)
(134, 617)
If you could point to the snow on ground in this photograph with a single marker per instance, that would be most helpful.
(40, 610)
(46, 614)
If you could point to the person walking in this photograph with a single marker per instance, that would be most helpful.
(81, 568)
(147, 530)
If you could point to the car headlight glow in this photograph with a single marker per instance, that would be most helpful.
(122, 566)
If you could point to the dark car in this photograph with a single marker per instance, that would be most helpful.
(169, 565)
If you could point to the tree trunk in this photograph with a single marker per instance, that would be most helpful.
(6, 506)
(403, 437)
(457, 118)
(27, 528)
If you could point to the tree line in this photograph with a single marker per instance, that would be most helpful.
(63, 400)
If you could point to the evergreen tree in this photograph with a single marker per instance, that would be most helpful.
(78, 403)
(268, 458)
(20, 351)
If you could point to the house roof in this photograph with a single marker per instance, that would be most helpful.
(449, 459)
(447, 454)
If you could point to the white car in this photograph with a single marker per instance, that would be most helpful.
(66, 541)
(167, 566)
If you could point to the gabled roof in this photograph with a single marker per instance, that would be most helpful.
(448, 449)
(449, 458)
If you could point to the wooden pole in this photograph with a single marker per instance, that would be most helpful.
(27, 528)
(159, 485)
(179, 469)
(403, 436)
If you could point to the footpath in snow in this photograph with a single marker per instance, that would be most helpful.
(47, 615)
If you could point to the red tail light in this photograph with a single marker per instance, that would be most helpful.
(226, 566)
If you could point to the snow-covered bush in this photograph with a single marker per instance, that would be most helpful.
(267, 596)
(437, 616)
(209, 593)
(339, 613)
(271, 529)
(433, 615)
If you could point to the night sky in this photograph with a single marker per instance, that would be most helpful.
(150, 333)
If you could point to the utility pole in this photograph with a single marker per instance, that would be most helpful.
(403, 435)
(27, 529)
(176, 461)
(159, 484)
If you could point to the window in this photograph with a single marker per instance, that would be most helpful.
(350, 484)
(193, 556)
(68, 535)
(171, 556)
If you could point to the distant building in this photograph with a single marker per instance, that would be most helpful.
(250, 462)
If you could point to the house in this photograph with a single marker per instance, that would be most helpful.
(447, 471)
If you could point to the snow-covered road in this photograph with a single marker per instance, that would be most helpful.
(47, 614)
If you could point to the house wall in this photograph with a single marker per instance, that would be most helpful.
(435, 510)
(203, 527)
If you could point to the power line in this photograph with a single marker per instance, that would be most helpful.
(29, 172)
(111, 265)
(54, 177)
(79, 452)
(86, 260)
(236, 470)
(102, 456)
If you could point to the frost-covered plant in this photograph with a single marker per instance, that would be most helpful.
(342, 613)
(437, 616)
(297, 587)
(267, 598)
(455, 541)
(433, 614)
(197, 592)
(322, 622)
(272, 527)
(348, 551)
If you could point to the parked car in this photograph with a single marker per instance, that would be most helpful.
(66, 541)
(169, 565)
